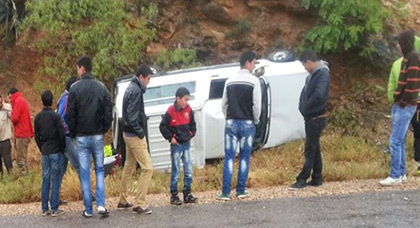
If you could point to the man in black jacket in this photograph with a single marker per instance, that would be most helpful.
(313, 107)
(134, 132)
(51, 141)
(89, 114)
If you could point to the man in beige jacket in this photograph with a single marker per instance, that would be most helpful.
(5, 136)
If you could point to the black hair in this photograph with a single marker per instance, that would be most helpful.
(308, 55)
(406, 40)
(47, 98)
(144, 71)
(247, 56)
(86, 62)
(70, 82)
(13, 90)
(181, 92)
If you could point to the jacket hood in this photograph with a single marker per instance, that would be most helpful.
(15, 96)
(321, 65)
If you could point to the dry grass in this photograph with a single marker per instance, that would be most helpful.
(345, 158)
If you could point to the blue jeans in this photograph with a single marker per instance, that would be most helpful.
(87, 146)
(241, 131)
(50, 179)
(401, 118)
(178, 152)
(69, 155)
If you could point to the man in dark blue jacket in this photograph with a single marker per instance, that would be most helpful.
(313, 107)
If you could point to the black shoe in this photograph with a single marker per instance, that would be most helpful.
(86, 215)
(299, 184)
(175, 199)
(122, 206)
(189, 198)
(315, 183)
(62, 202)
(142, 211)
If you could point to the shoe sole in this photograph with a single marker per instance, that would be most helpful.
(242, 196)
(123, 208)
(296, 189)
(386, 185)
(223, 199)
(177, 204)
(143, 213)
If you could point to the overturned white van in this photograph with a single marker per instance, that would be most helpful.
(281, 80)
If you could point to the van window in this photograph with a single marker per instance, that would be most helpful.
(216, 88)
(166, 94)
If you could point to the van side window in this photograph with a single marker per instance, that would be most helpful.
(216, 88)
(166, 94)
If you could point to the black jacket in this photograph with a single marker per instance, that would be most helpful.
(134, 118)
(49, 132)
(314, 96)
(89, 107)
(178, 123)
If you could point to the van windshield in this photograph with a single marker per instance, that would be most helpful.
(166, 94)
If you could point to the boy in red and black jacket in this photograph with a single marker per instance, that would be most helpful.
(178, 127)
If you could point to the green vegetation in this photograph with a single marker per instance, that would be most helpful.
(347, 25)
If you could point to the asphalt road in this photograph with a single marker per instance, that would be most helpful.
(386, 209)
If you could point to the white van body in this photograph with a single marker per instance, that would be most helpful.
(281, 120)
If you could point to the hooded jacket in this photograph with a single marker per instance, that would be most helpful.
(21, 117)
(314, 96)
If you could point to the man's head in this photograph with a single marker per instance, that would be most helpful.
(47, 98)
(70, 81)
(247, 60)
(406, 41)
(84, 64)
(145, 74)
(309, 60)
(182, 97)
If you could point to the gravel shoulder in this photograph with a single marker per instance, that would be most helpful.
(158, 200)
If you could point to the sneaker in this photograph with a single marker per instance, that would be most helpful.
(315, 183)
(142, 211)
(86, 215)
(122, 206)
(175, 199)
(223, 197)
(403, 179)
(242, 195)
(102, 211)
(57, 213)
(189, 198)
(46, 213)
(298, 185)
(390, 181)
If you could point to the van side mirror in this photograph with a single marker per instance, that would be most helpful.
(259, 72)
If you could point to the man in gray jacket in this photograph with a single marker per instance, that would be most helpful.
(241, 104)
(5, 136)
(313, 107)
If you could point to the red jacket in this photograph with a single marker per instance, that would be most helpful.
(21, 117)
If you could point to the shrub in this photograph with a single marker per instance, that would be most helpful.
(348, 24)
(103, 29)
(176, 59)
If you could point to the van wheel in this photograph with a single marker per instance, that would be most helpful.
(282, 56)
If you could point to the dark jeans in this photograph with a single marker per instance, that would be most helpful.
(313, 159)
(6, 156)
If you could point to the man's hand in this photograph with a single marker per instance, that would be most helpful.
(174, 142)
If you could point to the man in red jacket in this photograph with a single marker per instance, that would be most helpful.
(22, 127)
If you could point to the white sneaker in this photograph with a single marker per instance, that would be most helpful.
(403, 179)
(101, 209)
(390, 181)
